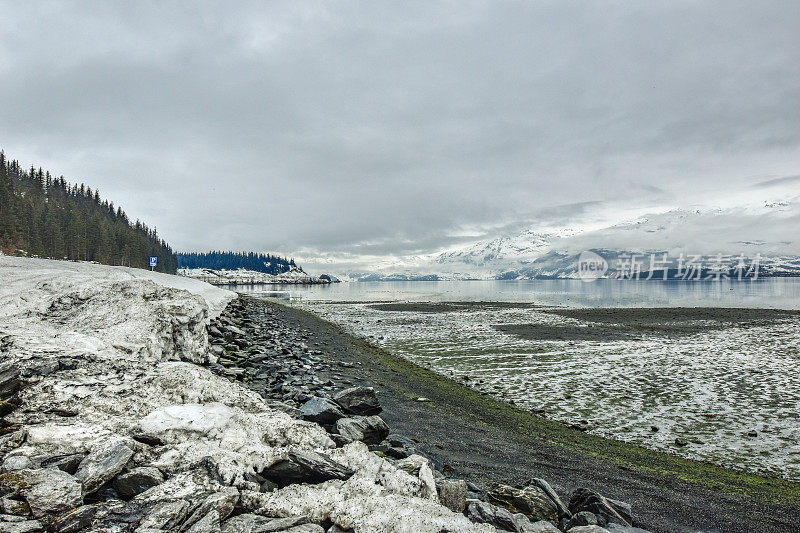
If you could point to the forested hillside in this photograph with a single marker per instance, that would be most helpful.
(271, 264)
(49, 217)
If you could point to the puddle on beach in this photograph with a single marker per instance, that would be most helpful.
(722, 380)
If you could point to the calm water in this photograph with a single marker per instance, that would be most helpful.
(712, 387)
(776, 293)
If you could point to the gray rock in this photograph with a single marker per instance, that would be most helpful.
(611, 510)
(336, 529)
(26, 526)
(367, 429)
(541, 526)
(583, 518)
(222, 503)
(588, 529)
(207, 524)
(67, 463)
(321, 411)
(486, 513)
(452, 494)
(358, 401)
(166, 515)
(306, 528)
(75, 520)
(47, 491)
(9, 380)
(252, 523)
(14, 507)
(305, 466)
(102, 464)
(138, 480)
(532, 501)
(16, 462)
(545, 486)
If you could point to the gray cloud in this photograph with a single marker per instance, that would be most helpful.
(380, 127)
(783, 180)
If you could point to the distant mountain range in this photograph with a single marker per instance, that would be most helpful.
(697, 242)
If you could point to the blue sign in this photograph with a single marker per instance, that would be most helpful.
(153, 261)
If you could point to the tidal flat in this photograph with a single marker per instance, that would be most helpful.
(712, 384)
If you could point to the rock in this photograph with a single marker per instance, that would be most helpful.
(545, 486)
(25, 526)
(542, 526)
(137, 481)
(12, 440)
(102, 464)
(166, 515)
(14, 507)
(233, 330)
(400, 447)
(207, 524)
(47, 491)
(16, 462)
(583, 518)
(9, 380)
(367, 429)
(253, 523)
(321, 410)
(486, 513)
(306, 528)
(412, 464)
(221, 503)
(358, 401)
(305, 466)
(67, 463)
(531, 501)
(588, 529)
(452, 494)
(75, 520)
(6, 408)
(611, 510)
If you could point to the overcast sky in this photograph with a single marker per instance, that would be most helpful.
(397, 128)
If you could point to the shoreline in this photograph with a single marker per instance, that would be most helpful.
(720, 492)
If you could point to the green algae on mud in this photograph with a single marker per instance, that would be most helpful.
(454, 398)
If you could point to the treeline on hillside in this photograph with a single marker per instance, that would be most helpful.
(271, 264)
(44, 216)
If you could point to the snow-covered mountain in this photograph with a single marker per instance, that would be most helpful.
(765, 231)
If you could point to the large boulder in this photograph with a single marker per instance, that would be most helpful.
(367, 429)
(612, 511)
(321, 410)
(532, 501)
(358, 401)
(305, 466)
(102, 464)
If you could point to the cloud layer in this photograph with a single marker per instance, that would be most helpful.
(375, 128)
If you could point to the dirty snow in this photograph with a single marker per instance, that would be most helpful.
(118, 348)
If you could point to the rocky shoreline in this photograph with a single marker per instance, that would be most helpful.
(255, 347)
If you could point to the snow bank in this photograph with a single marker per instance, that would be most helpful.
(110, 354)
